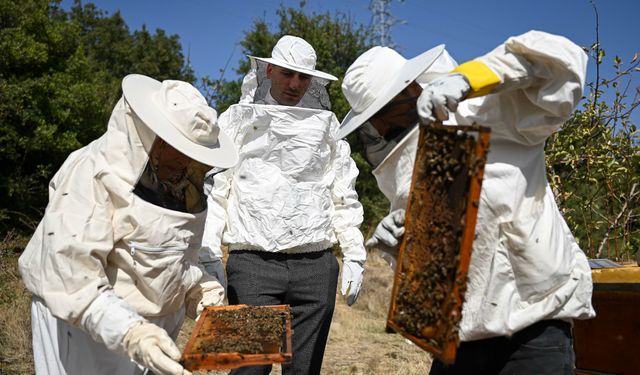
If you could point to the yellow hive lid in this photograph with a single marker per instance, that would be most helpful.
(622, 275)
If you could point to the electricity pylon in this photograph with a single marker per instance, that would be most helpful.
(381, 22)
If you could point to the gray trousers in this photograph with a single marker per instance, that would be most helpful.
(307, 282)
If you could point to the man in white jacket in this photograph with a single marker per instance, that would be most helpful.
(288, 201)
(113, 265)
(528, 278)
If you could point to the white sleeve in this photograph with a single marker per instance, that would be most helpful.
(64, 263)
(542, 80)
(108, 318)
(216, 187)
(348, 213)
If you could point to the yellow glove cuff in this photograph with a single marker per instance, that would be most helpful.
(481, 78)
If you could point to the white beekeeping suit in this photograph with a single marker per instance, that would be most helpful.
(293, 155)
(525, 265)
(111, 273)
(292, 158)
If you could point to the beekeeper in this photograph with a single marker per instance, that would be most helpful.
(289, 199)
(528, 278)
(113, 264)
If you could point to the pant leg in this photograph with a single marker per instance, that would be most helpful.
(481, 357)
(257, 279)
(545, 347)
(312, 297)
(306, 282)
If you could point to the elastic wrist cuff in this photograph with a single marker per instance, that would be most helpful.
(481, 78)
(108, 318)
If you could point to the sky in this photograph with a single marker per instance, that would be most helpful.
(210, 30)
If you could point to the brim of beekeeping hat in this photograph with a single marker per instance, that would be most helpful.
(138, 91)
(284, 64)
(406, 74)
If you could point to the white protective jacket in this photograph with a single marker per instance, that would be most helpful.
(525, 265)
(293, 189)
(102, 259)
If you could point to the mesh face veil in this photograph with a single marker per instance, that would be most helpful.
(316, 96)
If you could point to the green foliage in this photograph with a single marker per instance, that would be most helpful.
(338, 42)
(594, 166)
(60, 77)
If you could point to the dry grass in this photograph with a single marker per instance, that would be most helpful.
(358, 343)
(15, 313)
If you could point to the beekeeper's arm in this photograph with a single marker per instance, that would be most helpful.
(68, 272)
(537, 77)
(211, 289)
(217, 189)
(347, 218)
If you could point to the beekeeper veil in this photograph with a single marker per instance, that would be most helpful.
(372, 85)
(181, 137)
(292, 53)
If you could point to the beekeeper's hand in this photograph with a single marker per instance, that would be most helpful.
(352, 274)
(151, 347)
(441, 96)
(213, 265)
(388, 233)
(216, 269)
(210, 293)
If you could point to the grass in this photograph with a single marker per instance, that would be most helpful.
(15, 313)
(358, 343)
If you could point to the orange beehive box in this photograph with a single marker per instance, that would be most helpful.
(431, 272)
(226, 337)
(608, 343)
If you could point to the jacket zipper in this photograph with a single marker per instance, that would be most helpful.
(133, 246)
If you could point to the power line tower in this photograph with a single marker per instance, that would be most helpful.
(382, 20)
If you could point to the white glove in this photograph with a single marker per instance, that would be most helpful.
(151, 347)
(210, 293)
(213, 265)
(441, 96)
(388, 232)
(352, 274)
(387, 235)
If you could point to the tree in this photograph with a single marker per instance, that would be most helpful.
(60, 77)
(594, 165)
(338, 42)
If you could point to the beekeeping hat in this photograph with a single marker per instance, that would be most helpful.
(297, 54)
(176, 112)
(375, 78)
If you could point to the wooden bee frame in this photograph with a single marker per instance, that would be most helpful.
(431, 272)
(219, 323)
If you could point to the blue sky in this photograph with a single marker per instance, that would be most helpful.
(211, 29)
